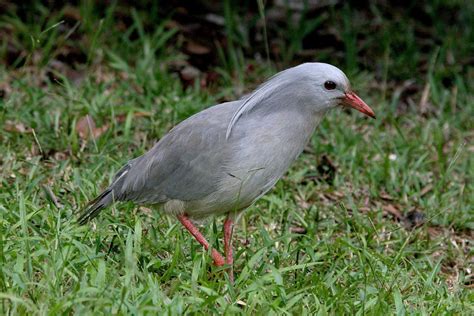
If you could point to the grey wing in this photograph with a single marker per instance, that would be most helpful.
(186, 164)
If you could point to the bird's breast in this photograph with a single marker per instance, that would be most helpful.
(264, 152)
(258, 153)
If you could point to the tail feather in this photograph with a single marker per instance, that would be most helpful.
(105, 198)
(95, 206)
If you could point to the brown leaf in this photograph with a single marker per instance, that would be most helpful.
(301, 201)
(5, 89)
(386, 196)
(85, 125)
(298, 230)
(16, 127)
(60, 155)
(434, 231)
(338, 194)
(146, 210)
(426, 189)
(197, 48)
(71, 12)
(189, 73)
(123, 117)
(424, 98)
(392, 210)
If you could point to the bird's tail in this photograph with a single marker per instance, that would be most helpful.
(96, 205)
(105, 198)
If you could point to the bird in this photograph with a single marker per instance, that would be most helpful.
(221, 160)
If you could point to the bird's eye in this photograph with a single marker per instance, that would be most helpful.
(330, 85)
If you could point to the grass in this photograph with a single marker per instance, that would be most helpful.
(333, 236)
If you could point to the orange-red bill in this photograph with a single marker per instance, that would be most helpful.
(351, 99)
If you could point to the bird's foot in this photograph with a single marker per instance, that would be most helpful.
(229, 257)
(218, 258)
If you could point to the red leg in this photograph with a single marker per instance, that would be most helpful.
(229, 259)
(216, 256)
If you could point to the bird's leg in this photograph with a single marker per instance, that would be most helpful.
(216, 256)
(229, 259)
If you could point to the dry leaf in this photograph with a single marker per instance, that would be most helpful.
(189, 73)
(196, 48)
(426, 189)
(424, 99)
(85, 125)
(302, 202)
(5, 90)
(146, 210)
(123, 117)
(386, 196)
(392, 210)
(338, 194)
(16, 127)
(297, 230)
(71, 12)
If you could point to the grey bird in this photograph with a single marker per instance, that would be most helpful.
(224, 158)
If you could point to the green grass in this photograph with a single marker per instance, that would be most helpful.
(354, 257)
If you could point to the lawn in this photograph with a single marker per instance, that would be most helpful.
(376, 216)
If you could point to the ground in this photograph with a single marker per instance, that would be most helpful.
(375, 217)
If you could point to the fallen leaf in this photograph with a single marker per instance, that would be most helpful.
(302, 202)
(60, 155)
(298, 230)
(424, 98)
(386, 196)
(364, 209)
(123, 117)
(196, 48)
(5, 90)
(71, 12)
(331, 197)
(189, 73)
(338, 194)
(392, 210)
(85, 125)
(146, 210)
(16, 127)
(426, 189)
(434, 231)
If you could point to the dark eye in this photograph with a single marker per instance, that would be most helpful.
(330, 85)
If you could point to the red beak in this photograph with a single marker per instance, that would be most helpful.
(351, 99)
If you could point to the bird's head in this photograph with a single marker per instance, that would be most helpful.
(327, 87)
(309, 88)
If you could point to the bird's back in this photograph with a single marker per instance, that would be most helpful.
(185, 164)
